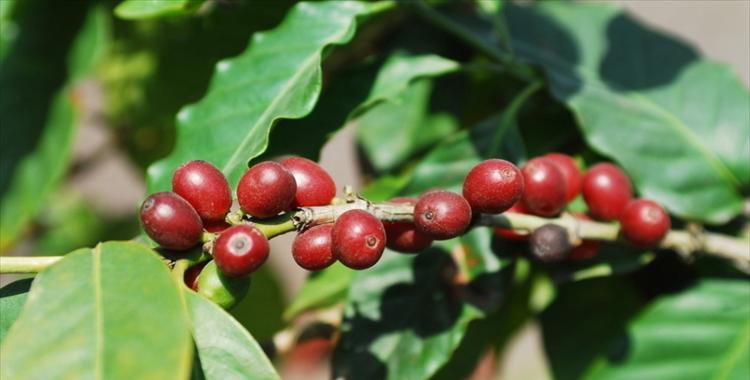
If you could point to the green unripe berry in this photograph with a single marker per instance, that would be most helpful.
(222, 290)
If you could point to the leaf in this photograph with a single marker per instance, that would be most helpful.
(261, 309)
(583, 320)
(226, 350)
(700, 333)
(278, 76)
(113, 312)
(140, 9)
(398, 73)
(446, 165)
(39, 139)
(12, 298)
(393, 131)
(679, 125)
(322, 289)
(612, 258)
(401, 321)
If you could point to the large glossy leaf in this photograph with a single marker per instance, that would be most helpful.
(701, 333)
(278, 76)
(323, 288)
(139, 9)
(12, 298)
(113, 312)
(680, 126)
(36, 143)
(226, 350)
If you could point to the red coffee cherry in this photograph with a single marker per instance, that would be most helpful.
(493, 186)
(205, 188)
(191, 275)
(266, 189)
(403, 236)
(544, 192)
(358, 239)
(442, 215)
(315, 187)
(607, 190)
(644, 223)
(587, 248)
(171, 221)
(216, 227)
(240, 250)
(312, 248)
(570, 171)
(510, 234)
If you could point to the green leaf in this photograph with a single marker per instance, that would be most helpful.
(399, 71)
(140, 9)
(612, 258)
(113, 312)
(261, 309)
(700, 333)
(446, 165)
(278, 76)
(679, 125)
(39, 139)
(322, 289)
(392, 132)
(401, 320)
(226, 350)
(12, 298)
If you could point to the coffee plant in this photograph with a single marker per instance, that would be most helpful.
(545, 163)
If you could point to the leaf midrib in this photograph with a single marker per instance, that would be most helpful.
(647, 106)
(735, 351)
(96, 258)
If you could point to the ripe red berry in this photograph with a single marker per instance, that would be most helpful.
(570, 171)
(216, 227)
(508, 233)
(442, 215)
(191, 275)
(266, 189)
(403, 236)
(358, 239)
(171, 221)
(240, 250)
(312, 248)
(205, 188)
(544, 192)
(644, 223)
(607, 190)
(493, 186)
(587, 248)
(315, 187)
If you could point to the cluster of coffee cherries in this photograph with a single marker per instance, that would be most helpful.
(201, 199)
(546, 184)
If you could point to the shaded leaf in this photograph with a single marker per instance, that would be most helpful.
(399, 71)
(680, 126)
(393, 131)
(261, 309)
(225, 349)
(700, 333)
(101, 314)
(324, 288)
(36, 143)
(140, 9)
(401, 320)
(278, 76)
(12, 298)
